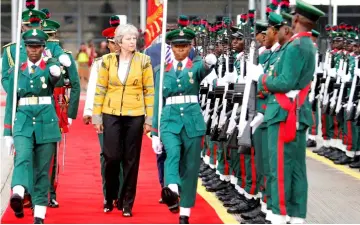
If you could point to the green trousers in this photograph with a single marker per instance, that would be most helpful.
(289, 185)
(250, 171)
(221, 157)
(33, 158)
(235, 163)
(315, 117)
(350, 136)
(182, 164)
(102, 167)
(262, 163)
(53, 176)
(213, 151)
(327, 127)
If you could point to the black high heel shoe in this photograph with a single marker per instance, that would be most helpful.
(127, 212)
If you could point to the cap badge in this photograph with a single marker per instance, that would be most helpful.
(34, 33)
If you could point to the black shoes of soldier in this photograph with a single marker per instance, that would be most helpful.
(311, 143)
(183, 220)
(161, 201)
(246, 206)
(171, 199)
(38, 220)
(356, 163)
(53, 203)
(16, 203)
(127, 212)
(108, 206)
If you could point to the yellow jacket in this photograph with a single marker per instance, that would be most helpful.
(135, 98)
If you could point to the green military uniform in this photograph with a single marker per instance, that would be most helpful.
(36, 128)
(182, 125)
(287, 123)
(261, 134)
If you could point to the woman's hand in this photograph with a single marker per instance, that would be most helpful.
(147, 128)
(87, 120)
(99, 128)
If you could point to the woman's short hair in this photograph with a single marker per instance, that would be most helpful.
(124, 29)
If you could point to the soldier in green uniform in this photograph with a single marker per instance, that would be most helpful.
(288, 116)
(182, 125)
(35, 130)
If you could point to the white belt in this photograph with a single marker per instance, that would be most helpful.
(292, 94)
(35, 101)
(182, 99)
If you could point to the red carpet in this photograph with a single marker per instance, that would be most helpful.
(80, 193)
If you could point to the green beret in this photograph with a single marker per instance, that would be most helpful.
(315, 33)
(275, 19)
(50, 26)
(308, 11)
(32, 12)
(180, 36)
(287, 19)
(35, 37)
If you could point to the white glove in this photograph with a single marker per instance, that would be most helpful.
(239, 56)
(210, 59)
(232, 125)
(221, 82)
(64, 59)
(231, 77)
(55, 70)
(9, 143)
(346, 78)
(209, 78)
(156, 144)
(69, 121)
(332, 72)
(255, 71)
(257, 121)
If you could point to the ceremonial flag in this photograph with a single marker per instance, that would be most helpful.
(153, 21)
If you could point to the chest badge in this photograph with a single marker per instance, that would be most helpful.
(43, 82)
(191, 77)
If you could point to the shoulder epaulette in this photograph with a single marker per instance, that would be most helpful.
(53, 40)
(67, 51)
(296, 41)
(7, 45)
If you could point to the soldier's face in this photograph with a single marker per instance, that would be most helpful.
(34, 52)
(314, 39)
(128, 42)
(270, 37)
(238, 44)
(260, 38)
(350, 47)
(113, 47)
(284, 34)
(219, 49)
(181, 51)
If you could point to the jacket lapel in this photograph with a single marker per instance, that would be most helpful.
(39, 69)
(25, 70)
(188, 66)
(169, 69)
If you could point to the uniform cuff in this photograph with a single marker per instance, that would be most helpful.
(97, 119)
(148, 120)
(88, 112)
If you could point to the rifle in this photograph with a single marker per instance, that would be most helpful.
(340, 73)
(350, 108)
(248, 108)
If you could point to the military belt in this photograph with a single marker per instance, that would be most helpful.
(35, 101)
(182, 99)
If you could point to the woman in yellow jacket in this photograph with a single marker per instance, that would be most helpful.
(123, 109)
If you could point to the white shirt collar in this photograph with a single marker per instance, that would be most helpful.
(275, 46)
(29, 63)
(184, 62)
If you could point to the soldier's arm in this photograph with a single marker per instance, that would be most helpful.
(55, 73)
(90, 93)
(293, 64)
(155, 122)
(5, 70)
(148, 86)
(101, 89)
(8, 107)
(75, 89)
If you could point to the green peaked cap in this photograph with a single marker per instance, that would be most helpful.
(315, 33)
(50, 26)
(35, 37)
(261, 26)
(275, 19)
(180, 36)
(308, 11)
(287, 18)
(32, 12)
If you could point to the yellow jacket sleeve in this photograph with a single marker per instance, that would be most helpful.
(101, 90)
(148, 86)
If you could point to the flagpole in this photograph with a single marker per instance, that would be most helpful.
(17, 61)
(162, 62)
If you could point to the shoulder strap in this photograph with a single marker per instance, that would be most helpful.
(10, 59)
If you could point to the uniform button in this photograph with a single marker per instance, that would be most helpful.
(182, 114)
(181, 108)
(179, 85)
(180, 94)
(33, 118)
(31, 81)
(178, 80)
(33, 122)
(31, 86)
